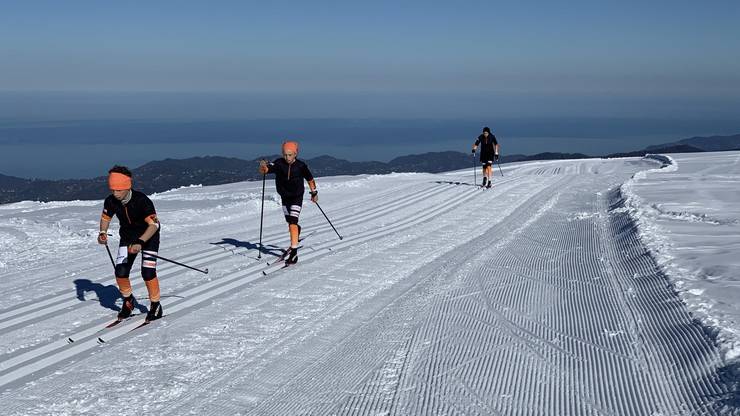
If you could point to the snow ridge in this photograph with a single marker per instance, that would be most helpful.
(657, 241)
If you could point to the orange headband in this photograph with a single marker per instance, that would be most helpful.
(118, 181)
(290, 145)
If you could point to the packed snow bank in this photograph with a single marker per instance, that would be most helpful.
(688, 216)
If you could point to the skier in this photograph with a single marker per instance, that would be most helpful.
(489, 149)
(289, 175)
(139, 232)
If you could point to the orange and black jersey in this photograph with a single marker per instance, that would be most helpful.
(135, 216)
(289, 177)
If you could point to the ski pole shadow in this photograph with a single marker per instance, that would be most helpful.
(455, 183)
(225, 243)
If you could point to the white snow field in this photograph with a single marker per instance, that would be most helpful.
(571, 288)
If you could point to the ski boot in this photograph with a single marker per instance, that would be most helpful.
(127, 307)
(155, 312)
(489, 185)
(292, 257)
(484, 182)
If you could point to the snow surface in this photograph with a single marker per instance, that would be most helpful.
(688, 212)
(573, 287)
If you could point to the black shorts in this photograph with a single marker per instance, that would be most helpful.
(486, 159)
(292, 209)
(125, 260)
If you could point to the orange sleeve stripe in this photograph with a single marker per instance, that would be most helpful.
(152, 219)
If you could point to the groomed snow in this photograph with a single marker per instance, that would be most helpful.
(573, 287)
(688, 212)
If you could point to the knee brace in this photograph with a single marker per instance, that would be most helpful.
(148, 265)
(148, 274)
(291, 219)
(123, 270)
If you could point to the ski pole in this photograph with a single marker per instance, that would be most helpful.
(205, 271)
(262, 212)
(475, 176)
(499, 168)
(327, 218)
(110, 256)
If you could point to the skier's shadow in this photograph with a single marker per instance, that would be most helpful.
(267, 249)
(107, 295)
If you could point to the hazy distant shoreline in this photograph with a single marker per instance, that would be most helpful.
(66, 149)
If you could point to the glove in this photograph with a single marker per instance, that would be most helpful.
(103, 237)
(473, 151)
(495, 157)
(314, 196)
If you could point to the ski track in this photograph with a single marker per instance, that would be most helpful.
(535, 297)
(36, 311)
(200, 258)
(24, 279)
(91, 330)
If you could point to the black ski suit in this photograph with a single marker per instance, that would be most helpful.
(134, 218)
(487, 148)
(289, 184)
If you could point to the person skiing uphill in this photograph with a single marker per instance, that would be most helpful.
(489, 149)
(289, 176)
(139, 232)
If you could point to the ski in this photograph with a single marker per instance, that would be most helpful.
(275, 266)
(145, 323)
(139, 325)
(300, 239)
(286, 265)
(116, 322)
(110, 325)
(285, 251)
(280, 257)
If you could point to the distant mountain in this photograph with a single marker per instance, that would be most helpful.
(670, 148)
(707, 144)
(330, 166)
(14, 189)
(163, 175)
(694, 144)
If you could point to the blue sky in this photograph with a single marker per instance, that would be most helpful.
(658, 48)
(674, 66)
